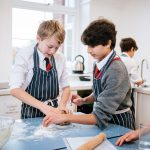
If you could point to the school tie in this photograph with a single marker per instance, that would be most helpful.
(97, 73)
(48, 65)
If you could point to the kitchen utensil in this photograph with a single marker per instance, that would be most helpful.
(78, 65)
(93, 142)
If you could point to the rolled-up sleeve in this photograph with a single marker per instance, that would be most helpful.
(115, 86)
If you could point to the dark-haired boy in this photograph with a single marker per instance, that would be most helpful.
(111, 85)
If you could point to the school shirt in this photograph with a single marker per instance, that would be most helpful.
(22, 70)
(116, 90)
(132, 68)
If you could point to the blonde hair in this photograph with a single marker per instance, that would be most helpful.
(50, 28)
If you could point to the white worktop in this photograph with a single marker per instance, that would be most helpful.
(4, 92)
(144, 90)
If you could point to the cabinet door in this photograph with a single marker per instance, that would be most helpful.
(143, 109)
(10, 106)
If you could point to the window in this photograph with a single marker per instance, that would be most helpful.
(68, 3)
(28, 14)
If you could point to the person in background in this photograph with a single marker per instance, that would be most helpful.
(128, 48)
(132, 135)
(111, 85)
(37, 73)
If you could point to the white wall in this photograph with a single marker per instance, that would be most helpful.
(5, 38)
(136, 23)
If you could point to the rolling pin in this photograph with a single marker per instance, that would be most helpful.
(93, 142)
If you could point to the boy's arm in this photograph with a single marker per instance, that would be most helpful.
(89, 99)
(64, 98)
(89, 119)
(28, 99)
(76, 99)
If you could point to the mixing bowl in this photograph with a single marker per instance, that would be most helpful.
(6, 125)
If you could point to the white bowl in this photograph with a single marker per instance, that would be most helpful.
(6, 125)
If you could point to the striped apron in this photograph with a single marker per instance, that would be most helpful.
(132, 96)
(121, 117)
(43, 86)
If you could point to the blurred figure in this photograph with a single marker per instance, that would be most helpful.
(128, 48)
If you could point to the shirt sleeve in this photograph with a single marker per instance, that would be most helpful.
(63, 76)
(134, 72)
(19, 71)
(115, 86)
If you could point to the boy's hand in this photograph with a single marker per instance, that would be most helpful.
(63, 110)
(46, 109)
(128, 137)
(76, 99)
(138, 83)
(54, 118)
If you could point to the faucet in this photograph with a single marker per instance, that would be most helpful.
(142, 63)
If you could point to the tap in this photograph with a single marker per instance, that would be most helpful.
(142, 64)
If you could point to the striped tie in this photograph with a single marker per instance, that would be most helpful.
(48, 65)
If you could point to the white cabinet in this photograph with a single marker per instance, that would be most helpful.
(10, 106)
(142, 104)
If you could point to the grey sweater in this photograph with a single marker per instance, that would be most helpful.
(115, 95)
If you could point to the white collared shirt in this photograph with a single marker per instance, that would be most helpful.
(22, 70)
(102, 63)
(132, 68)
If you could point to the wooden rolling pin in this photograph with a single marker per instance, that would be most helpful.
(93, 142)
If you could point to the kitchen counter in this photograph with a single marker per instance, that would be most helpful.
(29, 134)
(77, 84)
(143, 90)
(4, 92)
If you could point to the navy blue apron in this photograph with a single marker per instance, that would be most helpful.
(43, 86)
(124, 119)
(132, 96)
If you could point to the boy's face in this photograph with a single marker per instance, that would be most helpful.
(99, 52)
(132, 52)
(48, 46)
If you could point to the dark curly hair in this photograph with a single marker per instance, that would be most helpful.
(127, 43)
(99, 32)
